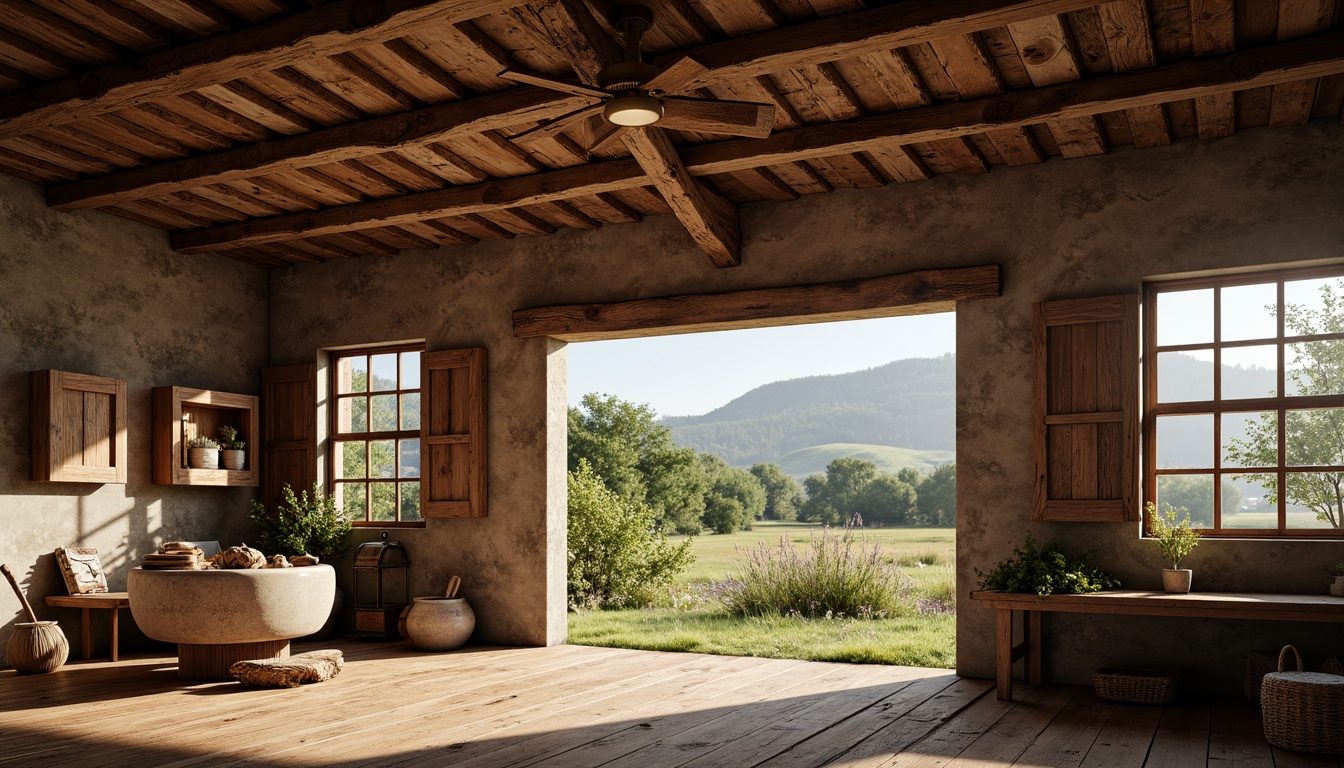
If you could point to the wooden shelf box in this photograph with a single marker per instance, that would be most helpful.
(182, 413)
(79, 428)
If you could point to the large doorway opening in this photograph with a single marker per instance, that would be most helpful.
(767, 462)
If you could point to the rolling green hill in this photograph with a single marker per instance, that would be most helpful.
(811, 461)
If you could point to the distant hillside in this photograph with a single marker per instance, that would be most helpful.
(907, 403)
(812, 461)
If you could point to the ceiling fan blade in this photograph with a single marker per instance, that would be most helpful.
(736, 118)
(549, 129)
(677, 77)
(545, 81)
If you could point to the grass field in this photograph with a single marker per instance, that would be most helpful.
(692, 621)
(813, 460)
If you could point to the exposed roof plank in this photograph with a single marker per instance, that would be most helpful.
(711, 220)
(1267, 65)
(1213, 31)
(1290, 103)
(1048, 58)
(323, 31)
(1129, 38)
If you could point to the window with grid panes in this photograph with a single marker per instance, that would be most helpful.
(1244, 416)
(375, 434)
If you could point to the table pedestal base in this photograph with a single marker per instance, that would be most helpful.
(212, 661)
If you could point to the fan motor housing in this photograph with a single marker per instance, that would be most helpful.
(626, 76)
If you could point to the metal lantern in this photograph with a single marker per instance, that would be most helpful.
(382, 572)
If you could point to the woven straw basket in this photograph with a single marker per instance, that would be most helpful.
(1138, 686)
(1303, 711)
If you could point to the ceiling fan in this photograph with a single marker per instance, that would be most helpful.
(633, 93)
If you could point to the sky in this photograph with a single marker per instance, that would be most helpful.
(694, 373)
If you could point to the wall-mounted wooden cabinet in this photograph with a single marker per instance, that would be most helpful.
(79, 428)
(181, 413)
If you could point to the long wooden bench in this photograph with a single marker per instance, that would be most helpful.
(1220, 605)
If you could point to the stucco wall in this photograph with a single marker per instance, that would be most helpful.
(92, 293)
(1061, 229)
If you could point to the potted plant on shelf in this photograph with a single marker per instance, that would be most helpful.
(1337, 587)
(232, 448)
(1177, 540)
(202, 453)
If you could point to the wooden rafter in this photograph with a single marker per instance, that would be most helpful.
(713, 222)
(814, 42)
(323, 31)
(930, 290)
(1265, 65)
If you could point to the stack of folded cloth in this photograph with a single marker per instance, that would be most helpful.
(175, 556)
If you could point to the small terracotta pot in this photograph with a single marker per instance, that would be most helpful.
(439, 623)
(203, 458)
(233, 459)
(1177, 579)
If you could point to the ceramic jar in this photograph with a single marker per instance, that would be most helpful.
(439, 623)
(1176, 579)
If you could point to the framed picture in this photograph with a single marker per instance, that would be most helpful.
(82, 569)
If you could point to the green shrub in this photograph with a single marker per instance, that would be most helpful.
(1176, 539)
(302, 524)
(837, 573)
(617, 556)
(1046, 571)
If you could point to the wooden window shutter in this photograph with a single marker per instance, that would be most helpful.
(79, 428)
(289, 427)
(1085, 409)
(452, 433)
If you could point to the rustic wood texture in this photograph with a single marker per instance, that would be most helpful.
(1085, 407)
(909, 293)
(576, 707)
(711, 220)
(110, 601)
(182, 413)
(281, 133)
(213, 661)
(453, 479)
(78, 428)
(289, 416)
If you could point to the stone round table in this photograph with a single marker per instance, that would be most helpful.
(217, 617)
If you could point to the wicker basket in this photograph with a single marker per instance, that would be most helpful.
(1258, 664)
(1303, 711)
(1136, 686)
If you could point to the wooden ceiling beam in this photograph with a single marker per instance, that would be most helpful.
(712, 221)
(808, 43)
(545, 187)
(1265, 65)
(326, 30)
(343, 142)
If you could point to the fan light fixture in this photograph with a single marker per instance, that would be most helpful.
(633, 110)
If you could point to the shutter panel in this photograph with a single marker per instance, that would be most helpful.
(79, 428)
(1085, 409)
(289, 426)
(452, 433)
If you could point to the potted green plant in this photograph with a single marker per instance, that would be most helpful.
(231, 448)
(1337, 587)
(202, 453)
(306, 523)
(1177, 540)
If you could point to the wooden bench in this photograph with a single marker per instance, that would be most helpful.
(113, 601)
(1219, 605)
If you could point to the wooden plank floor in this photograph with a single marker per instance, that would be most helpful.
(580, 707)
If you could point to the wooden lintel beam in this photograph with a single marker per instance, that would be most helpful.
(576, 32)
(440, 203)
(326, 30)
(1299, 59)
(934, 290)
(343, 142)
(848, 35)
(712, 221)
(1266, 65)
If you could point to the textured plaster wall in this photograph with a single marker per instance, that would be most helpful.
(1062, 229)
(91, 293)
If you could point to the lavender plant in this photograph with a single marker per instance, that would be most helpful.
(837, 573)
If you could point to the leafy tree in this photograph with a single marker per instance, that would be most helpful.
(886, 500)
(1195, 494)
(617, 556)
(723, 514)
(636, 458)
(1314, 438)
(783, 495)
(831, 499)
(735, 484)
(937, 492)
